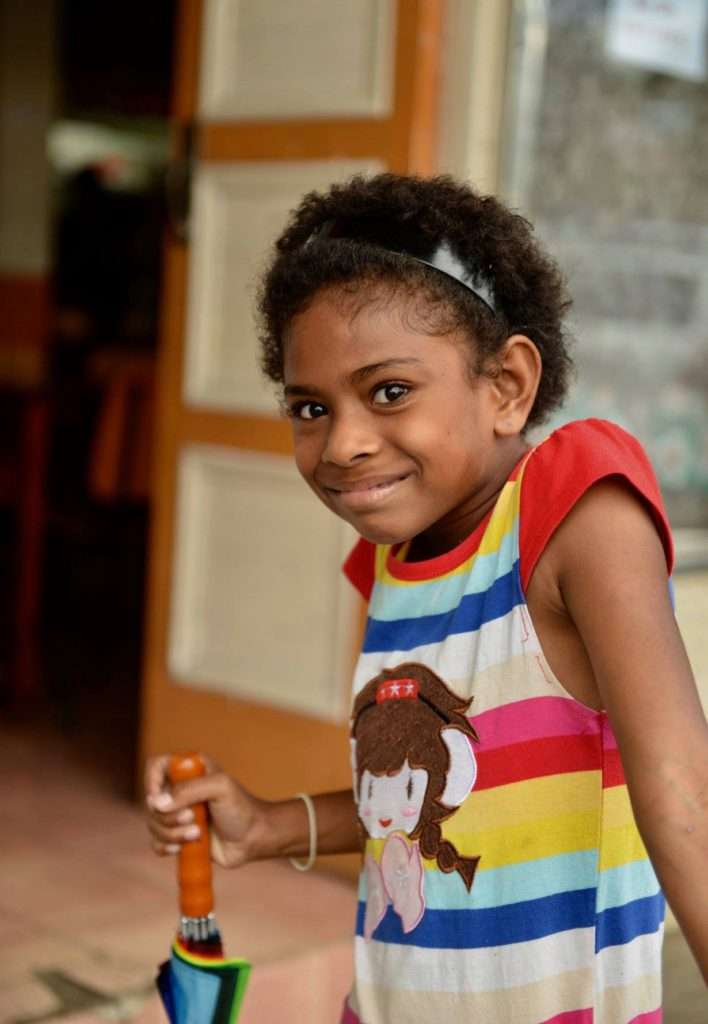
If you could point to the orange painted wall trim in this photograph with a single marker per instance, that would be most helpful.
(413, 146)
(294, 140)
(167, 402)
(186, 59)
(24, 301)
(236, 430)
(25, 306)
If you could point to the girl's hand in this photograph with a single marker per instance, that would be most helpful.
(238, 821)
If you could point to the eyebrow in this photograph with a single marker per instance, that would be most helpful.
(366, 371)
(357, 376)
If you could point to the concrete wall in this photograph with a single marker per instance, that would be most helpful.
(692, 614)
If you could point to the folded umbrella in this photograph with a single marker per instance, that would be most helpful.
(198, 984)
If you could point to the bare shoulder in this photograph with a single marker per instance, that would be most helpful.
(608, 566)
(610, 523)
(584, 559)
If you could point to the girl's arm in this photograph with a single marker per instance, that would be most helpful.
(244, 827)
(611, 573)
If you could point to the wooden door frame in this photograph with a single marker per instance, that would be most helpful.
(405, 140)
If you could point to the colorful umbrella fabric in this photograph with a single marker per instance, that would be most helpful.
(198, 985)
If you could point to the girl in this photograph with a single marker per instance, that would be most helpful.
(526, 731)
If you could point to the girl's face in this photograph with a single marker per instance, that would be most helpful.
(392, 803)
(391, 430)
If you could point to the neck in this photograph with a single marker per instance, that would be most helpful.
(452, 529)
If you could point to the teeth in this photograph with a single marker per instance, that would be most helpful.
(378, 487)
(383, 486)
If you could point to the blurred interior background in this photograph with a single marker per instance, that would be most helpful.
(165, 580)
(84, 106)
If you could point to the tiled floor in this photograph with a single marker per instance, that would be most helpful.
(86, 911)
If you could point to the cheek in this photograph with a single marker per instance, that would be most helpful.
(410, 812)
(305, 455)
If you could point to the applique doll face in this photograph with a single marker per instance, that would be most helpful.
(413, 761)
(392, 803)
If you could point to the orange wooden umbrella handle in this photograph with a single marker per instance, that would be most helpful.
(196, 896)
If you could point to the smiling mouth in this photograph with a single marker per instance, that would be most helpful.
(367, 492)
(385, 822)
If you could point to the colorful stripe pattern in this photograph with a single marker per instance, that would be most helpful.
(564, 920)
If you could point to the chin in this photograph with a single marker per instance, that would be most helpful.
(382, 536)
(389, 529)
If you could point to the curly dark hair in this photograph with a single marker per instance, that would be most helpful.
(489, 240)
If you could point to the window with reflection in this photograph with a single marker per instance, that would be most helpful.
(605, 151)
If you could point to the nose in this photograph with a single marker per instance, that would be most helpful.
(350, 439)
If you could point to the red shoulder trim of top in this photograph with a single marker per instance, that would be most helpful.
(360, 567)
(564, 466)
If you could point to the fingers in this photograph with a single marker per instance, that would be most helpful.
(170, 828)
(170, 817)
(170, 839)
(170, 824)
(211, 789)
(170, 801)
(155, 776)
(159, 790)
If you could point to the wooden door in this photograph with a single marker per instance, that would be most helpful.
(250, 630)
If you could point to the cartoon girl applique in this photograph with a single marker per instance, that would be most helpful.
(413, 766)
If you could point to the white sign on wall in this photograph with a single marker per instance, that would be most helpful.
(659, 35)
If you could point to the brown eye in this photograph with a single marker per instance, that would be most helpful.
(308, 410)
(386, 394)
(409, 788)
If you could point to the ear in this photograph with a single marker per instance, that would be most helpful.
(516, 379)
(462, 773)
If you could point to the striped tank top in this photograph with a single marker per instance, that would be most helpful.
(504, 880)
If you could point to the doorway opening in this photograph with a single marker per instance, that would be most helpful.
(77, 430)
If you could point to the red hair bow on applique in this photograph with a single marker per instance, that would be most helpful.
(397, 689)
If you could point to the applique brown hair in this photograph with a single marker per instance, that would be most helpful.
(393, 731)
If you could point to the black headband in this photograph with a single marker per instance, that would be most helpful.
(401, 240)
